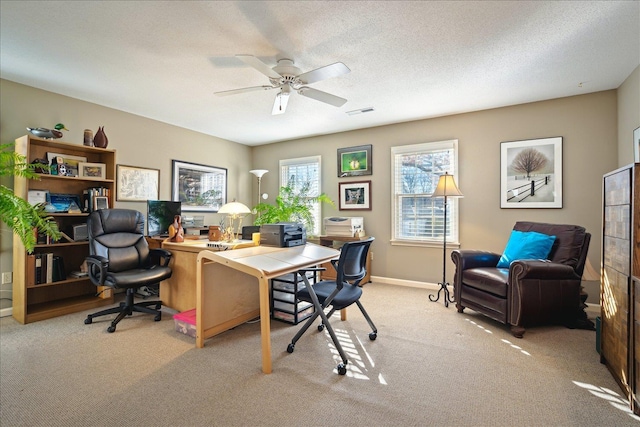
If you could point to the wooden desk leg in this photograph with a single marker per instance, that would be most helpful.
(199, 303)
(265, 324)
(343, 314)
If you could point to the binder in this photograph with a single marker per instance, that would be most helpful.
(58, 269)
(38, 268)
(49, 264)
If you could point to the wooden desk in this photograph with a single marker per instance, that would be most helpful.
(179, 291)
(248, 267)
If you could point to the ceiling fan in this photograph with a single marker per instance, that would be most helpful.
(288, 78)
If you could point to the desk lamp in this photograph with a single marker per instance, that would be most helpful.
(235, 212)
(446, 188)
(259, 173)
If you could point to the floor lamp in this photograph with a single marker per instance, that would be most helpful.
(446, 188)
(259, 173)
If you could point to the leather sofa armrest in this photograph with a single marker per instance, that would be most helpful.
(465, 259)
(542, 270)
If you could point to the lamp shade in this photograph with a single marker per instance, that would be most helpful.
(258, 172)
(447, 187)
(234, 208)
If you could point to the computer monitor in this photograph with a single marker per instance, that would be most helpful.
(160, 214)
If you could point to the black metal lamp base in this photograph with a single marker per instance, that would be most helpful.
(446, 295)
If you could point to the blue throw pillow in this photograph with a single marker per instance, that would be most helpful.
(526, 245)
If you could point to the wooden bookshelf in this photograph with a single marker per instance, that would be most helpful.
(34, 302)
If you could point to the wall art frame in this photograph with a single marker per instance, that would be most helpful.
(354, 161)
(354, 195)
(200, 188)
(137, 184)
(92, 170)
(531, 173)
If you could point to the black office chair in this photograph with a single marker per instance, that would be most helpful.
(341, 293)
(119, 257)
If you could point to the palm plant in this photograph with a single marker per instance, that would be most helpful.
(291, 206)
(18, 214)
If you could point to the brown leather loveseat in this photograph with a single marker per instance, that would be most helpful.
(528, 292)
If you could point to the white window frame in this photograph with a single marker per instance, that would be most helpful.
(284, 181)
(397, 238)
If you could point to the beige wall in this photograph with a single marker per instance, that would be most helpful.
(138, 142)
(587, 123)
(628, 116)
(593, 128)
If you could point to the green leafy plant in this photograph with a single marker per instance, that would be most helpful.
(291, 206)
(20, 216)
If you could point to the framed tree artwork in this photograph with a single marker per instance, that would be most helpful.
(531, 173)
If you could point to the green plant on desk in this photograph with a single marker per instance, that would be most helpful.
(291, 206)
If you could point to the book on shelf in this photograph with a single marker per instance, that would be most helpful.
(89, 197)
(31, 270)
(38, 268)
(49, 267)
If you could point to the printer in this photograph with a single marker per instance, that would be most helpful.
(344, 226)
(283, 234)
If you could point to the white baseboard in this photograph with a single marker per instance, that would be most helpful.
(402, 282)
(6, 312)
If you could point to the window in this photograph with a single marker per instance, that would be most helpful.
(415, 169)
(303, 176)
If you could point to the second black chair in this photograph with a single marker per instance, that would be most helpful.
(339, 293)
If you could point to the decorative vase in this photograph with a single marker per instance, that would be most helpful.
(88, 137)
(100, 139)
(214, 233)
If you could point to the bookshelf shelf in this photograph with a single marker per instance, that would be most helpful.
(34, 301)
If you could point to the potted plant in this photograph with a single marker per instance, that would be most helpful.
(20, 216)
(290, 206)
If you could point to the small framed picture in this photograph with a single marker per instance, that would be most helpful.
(100, 202)
(355, 195)
(354, 161)
(91, 170)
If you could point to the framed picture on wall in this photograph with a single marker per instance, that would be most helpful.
(136, 184)
(355, 195)
(354, 161)
(531, 173)
(199, 188)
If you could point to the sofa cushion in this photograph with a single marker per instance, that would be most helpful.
(488, 279)
(526, 245)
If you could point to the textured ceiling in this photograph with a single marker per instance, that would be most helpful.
(408, 60)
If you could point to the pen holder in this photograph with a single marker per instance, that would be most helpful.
(256, 238)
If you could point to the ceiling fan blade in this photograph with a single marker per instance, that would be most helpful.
(254, 62)
(281, 101)
(244, 89)
(322, 73)
(321, 96)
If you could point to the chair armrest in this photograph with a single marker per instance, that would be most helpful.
(98, 267)
(465, 259)
(541, 270)
(160, 256)
(541, 292)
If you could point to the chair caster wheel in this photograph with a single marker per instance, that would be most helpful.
(342, 369)
(290, 348)
(158, 317)
(373, 336)
(88, 321)
(111, 329)
(320, 327)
